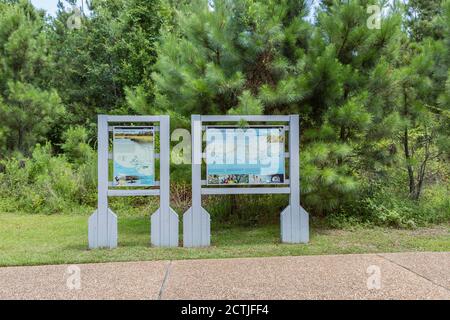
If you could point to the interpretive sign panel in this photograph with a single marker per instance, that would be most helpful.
(133, 156)
(250, 155)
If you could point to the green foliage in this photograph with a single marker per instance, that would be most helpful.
(423, 122)
(245, 210)
(374, 103)
(114, 49)
(27, 109)
(399, 211)
(23, 46)
(40, 184)
(75, 146)
(234, 58)
(324, 184)
(389, 205)
(21, 108)
(422, 18)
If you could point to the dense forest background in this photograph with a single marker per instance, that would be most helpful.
(373, 97)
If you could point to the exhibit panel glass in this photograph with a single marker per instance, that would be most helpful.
(252, 155)
(133, 156)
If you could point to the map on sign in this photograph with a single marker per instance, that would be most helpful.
(251, 155)
(133, 156)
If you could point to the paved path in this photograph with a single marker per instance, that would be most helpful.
(402, 276)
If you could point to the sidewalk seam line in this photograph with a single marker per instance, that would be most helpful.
(163, 284)
(414, 272)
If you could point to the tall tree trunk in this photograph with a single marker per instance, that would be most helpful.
(408, 162)
(421, 177)
(409, 167)
(422, 170)
(20, 143)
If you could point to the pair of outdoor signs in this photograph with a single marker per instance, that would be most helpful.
(239, 160)
(234, 156)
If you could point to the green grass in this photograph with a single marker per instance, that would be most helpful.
(39, 239)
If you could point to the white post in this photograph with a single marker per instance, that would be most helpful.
(294, 219)
(164, 222)
(102, 229)
(196, 221)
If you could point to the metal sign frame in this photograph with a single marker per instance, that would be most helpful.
(294, 219)
(102, 230)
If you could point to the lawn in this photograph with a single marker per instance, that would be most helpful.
(40, 239)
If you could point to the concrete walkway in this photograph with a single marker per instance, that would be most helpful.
(366, 276)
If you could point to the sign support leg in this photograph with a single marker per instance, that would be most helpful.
(164, 222)
(196, 221)
(102, 225)
(294, 219)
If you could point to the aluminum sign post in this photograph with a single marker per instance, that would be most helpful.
(102, 231)
(196, 221)
(164, 222)
(294, 219)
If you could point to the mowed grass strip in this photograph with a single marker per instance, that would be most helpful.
(59, 239)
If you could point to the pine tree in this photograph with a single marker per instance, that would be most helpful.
(350, 113)
(236, 57)
(421, 85)
(28, 111)
(252, 57)
(421, 16)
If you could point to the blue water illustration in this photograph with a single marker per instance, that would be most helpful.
(132, 176)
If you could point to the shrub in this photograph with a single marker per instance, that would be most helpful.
(389, 205)
(47, 183)
(246, 210)
(75, 146)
